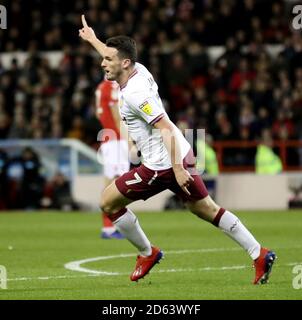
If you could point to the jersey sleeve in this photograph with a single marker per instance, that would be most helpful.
(147, 107)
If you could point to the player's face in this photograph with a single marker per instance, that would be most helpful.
(112, 64)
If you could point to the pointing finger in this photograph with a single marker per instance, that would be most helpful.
(84, 21)
(191, 178)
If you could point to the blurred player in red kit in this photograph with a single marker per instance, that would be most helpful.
(114, 150)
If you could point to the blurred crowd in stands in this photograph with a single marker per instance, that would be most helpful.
(234, 97)
(23, 185)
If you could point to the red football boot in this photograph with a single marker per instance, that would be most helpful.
(145, 264)
(263, 265)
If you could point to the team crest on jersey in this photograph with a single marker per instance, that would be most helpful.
(146, 108)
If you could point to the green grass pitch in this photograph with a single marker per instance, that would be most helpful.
(200, 261)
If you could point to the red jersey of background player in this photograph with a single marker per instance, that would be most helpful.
(106, 99)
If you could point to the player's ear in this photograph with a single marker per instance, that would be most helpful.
(126, 63)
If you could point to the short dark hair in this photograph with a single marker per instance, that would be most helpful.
(125, 46)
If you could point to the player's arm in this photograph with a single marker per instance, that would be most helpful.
(87, 34)
(119, 122)
(172, 145)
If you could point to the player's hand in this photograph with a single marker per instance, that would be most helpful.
(86, 33)
(184, 179)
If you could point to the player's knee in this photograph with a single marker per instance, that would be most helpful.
(106, 205)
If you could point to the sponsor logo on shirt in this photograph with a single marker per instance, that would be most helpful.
(146, 108)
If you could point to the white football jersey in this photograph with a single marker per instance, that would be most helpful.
(140, 108)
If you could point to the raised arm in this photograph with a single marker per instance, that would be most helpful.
(87, 34)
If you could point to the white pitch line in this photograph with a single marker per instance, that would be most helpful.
(51, 277)
(223, 268)
(76, 265)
